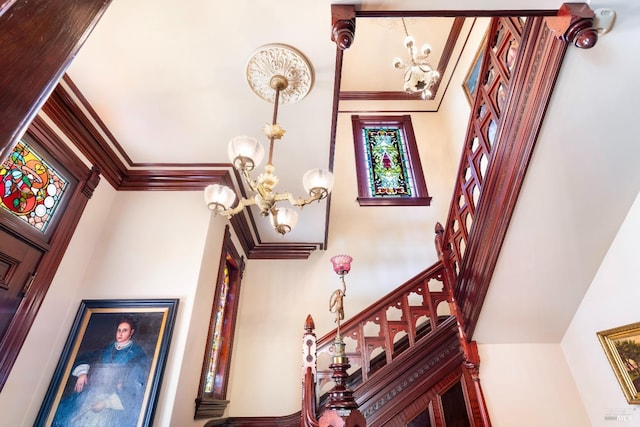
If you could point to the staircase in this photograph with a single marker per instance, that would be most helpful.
(413, 362)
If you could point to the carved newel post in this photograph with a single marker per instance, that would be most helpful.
(341, 410)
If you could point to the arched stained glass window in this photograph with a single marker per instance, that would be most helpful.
(388, 166)
(31, 188)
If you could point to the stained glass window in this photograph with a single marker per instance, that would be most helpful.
(221, 305)
(211, 400)
(31, 188)
(387, 163)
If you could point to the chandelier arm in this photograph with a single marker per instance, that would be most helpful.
(242, 203)
(296, 202)
(253, 184)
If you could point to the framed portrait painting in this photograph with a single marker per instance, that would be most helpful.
(622, 348)
(470, 83)
(110, 370)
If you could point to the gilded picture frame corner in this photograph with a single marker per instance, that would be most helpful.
(621, 346)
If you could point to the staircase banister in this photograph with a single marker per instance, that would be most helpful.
(308, 413)
(381, 304)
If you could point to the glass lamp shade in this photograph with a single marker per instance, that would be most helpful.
(318, 182)
(285, 220)
(245, 152)
(409, 42)
(219, 197)
(419, 78)
(341, 264)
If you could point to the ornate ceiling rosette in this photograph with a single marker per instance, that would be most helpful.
(279, 60)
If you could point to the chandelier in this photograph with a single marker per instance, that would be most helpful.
(281, 74)
(419, 77)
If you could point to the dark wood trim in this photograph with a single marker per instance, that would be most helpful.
(396, 386)
(445, 58)
(403, 122)
(343, 25)
(394, 201)
(292, 420)
(575, 24)
(67, 115)
(172, 180)
(116, 165)
(124, 175)
(379, 96)
(334, 126)
(533, 85)
(213, 403)
(450, 44)
(32, 29)
(86, 181)
(282, 250)
(453, 13)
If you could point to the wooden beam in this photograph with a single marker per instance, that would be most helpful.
(38, 40)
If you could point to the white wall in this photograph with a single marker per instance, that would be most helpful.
(529, 385)
(611, 301)
(389, 245)
(128, 245)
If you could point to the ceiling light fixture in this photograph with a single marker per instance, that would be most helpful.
(279, 74)
(342, 266)
(419, 77)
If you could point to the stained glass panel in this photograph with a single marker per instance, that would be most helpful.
(214, 351)
(31, 188)
(387, 163)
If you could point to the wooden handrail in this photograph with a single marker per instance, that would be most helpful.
(417, 305)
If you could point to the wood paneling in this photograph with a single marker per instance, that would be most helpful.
(49, 32)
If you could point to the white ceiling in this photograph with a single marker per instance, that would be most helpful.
(169, 83)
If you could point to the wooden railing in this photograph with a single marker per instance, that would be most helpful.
(520, 64)
(518, 72)
(500, 59)
(379, 334)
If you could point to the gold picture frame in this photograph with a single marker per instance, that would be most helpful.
(622, 348)
(120, 347)
(472, 78)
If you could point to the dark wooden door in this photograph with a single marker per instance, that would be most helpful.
(18, 262)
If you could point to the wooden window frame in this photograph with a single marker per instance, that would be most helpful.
(421, 196)
(53, 241)
(213, 404)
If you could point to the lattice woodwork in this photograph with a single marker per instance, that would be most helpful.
(500, 59)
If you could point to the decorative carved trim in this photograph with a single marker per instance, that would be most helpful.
(67, 106)
(515, 141)
(210, 408)
(574, 24)
(282, 250)
(278, 59)
(343, 25)
(91, 183)
(425, 368)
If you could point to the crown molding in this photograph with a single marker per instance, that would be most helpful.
(74, 116)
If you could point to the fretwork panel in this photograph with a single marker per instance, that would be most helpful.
(387, 328)
(500, 59)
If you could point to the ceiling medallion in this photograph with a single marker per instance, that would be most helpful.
(279, 59)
